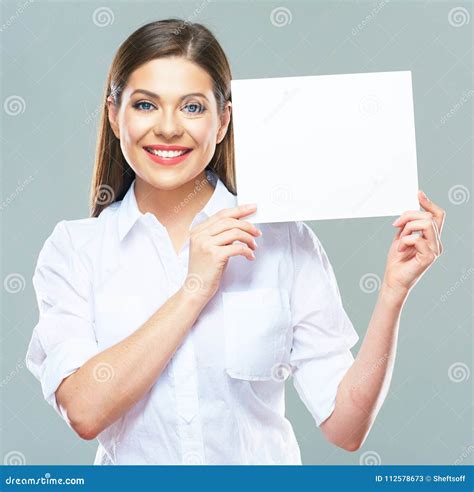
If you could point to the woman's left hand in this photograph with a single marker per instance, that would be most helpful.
(410, 255)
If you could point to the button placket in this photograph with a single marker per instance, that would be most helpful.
(169, 260)
(183, 367)
(185, 383)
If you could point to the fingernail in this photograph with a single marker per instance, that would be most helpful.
(259, 232)
(395, 221)
(423, 194)
(250, 205)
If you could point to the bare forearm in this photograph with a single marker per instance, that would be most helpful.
(107, 385)
(365, 385)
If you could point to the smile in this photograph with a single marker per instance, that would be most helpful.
(167, 157)
(166, 153)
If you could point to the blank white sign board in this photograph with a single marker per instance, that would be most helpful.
(325, 146)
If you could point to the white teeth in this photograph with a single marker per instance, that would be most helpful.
(167, 153)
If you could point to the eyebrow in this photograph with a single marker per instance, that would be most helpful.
(156, 96)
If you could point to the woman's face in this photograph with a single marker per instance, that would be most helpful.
(168, 115)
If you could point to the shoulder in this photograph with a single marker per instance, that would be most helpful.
(281, 228)
(70, 235)
(297, 234)
(73, 233)
(306, 248)
(302, 237)
(295, 240)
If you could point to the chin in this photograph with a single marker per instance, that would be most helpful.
(166, 180)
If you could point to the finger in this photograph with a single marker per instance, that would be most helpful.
(424, 253)
(434, 246)
(419, 225)
(234, 212)
(427, 229)
(438, 213)
(438, 237)
(228, 237)
(235, 250)
(230, 223)
(411, 215)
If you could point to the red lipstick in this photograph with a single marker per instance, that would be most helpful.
(169, 160)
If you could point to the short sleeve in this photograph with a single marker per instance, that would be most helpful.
(322, 332)
(64, 337)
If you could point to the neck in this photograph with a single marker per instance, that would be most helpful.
(178, 207)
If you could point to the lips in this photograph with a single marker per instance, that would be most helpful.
(167, 154)
(166, 147)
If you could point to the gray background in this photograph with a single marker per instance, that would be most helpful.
(55, 60)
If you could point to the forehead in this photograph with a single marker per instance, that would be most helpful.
(169, 77)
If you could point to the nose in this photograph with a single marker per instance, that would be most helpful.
(168, 125)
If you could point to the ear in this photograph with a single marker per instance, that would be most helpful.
(112, 112)
(225, 120)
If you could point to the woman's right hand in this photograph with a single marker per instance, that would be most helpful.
(211, 246)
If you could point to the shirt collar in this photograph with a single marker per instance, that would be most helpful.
(129, 213)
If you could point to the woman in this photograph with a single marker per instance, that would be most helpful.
(164, 331)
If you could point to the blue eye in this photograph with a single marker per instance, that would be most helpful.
(194, 108)
(139, 106)
(200, 108)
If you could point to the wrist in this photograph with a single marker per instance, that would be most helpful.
(395, 295)
(193, 298)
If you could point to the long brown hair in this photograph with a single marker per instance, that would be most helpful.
(112, 175)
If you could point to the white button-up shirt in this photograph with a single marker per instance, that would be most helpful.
(221, 398)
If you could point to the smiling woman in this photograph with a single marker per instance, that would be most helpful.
(161, 332)
(185, 113)
(168, 90)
